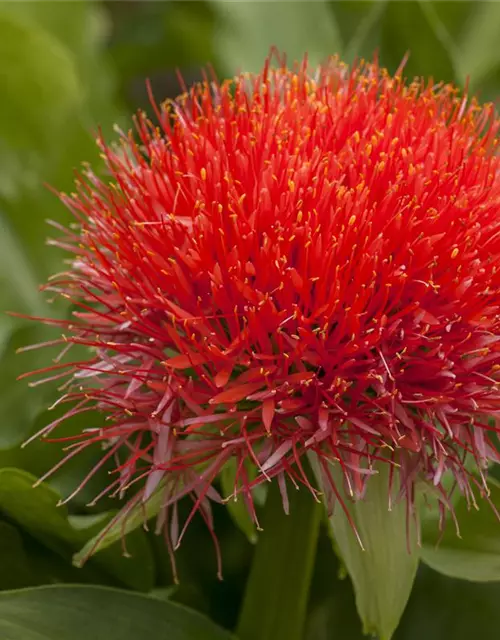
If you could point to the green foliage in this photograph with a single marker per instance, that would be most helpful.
(246, 30)
(444, 608)
(36, 100)
(478, 54)
(412, 31)
(383, 562)
(439, 607)
(80, 613)
(36, 511)
(57, 89)
(18, 415)
(67, 68)
(473, 553)
(236, 504)
(140, 514)
(285, 548)
(39, 456)
(152, 38)
(16, 570)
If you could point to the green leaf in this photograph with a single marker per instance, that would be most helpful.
(441, 32)
(441, 608)
(383, 570)
(330, 615)
(487, 89)
(39, 456)
(152, 38)
(48, 567)
(331, 601)
(35, 510)
(360, 24)
(236, 506)
(27, 563)
(16, 570)
(475, 555)
(275, 602)
(247, 30)
(75, 26)
(18, 278)
(479, 50)
(81, 32)
(40, 91)
(456, 16)
(136, 517)
(407, 29)
(84, 612)
(78, 33)
(17, 413)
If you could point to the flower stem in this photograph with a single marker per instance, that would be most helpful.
(275, 602)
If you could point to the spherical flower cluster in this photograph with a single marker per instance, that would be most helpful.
(290, 262)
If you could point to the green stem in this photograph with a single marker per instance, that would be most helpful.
(275, 603)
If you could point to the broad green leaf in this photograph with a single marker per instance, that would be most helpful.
(136, 518)
(25, 415)
(360, 25)
(406, 29)
(154, 38)
(48, 567)
(237, 507)
(25, 562)
(19, 405)
(383, 570)
(487, 89)
(40, 90)
(479, 50)
(35, 510)
(16, 570)
(456, 16)
(276, 595)
(68, 122)
(441, 33)
(39, 456)
(84, 612)
(331, 601)
(330, 615)
(188, 594)
(475, 555)
(18, 279)
(75, 25)
(247, 30)
(441, 608)
(81, 30)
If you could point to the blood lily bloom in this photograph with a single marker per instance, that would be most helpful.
(291, 262)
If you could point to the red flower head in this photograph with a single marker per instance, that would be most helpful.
(297, 261)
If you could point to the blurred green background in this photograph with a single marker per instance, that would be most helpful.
(68, 68)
